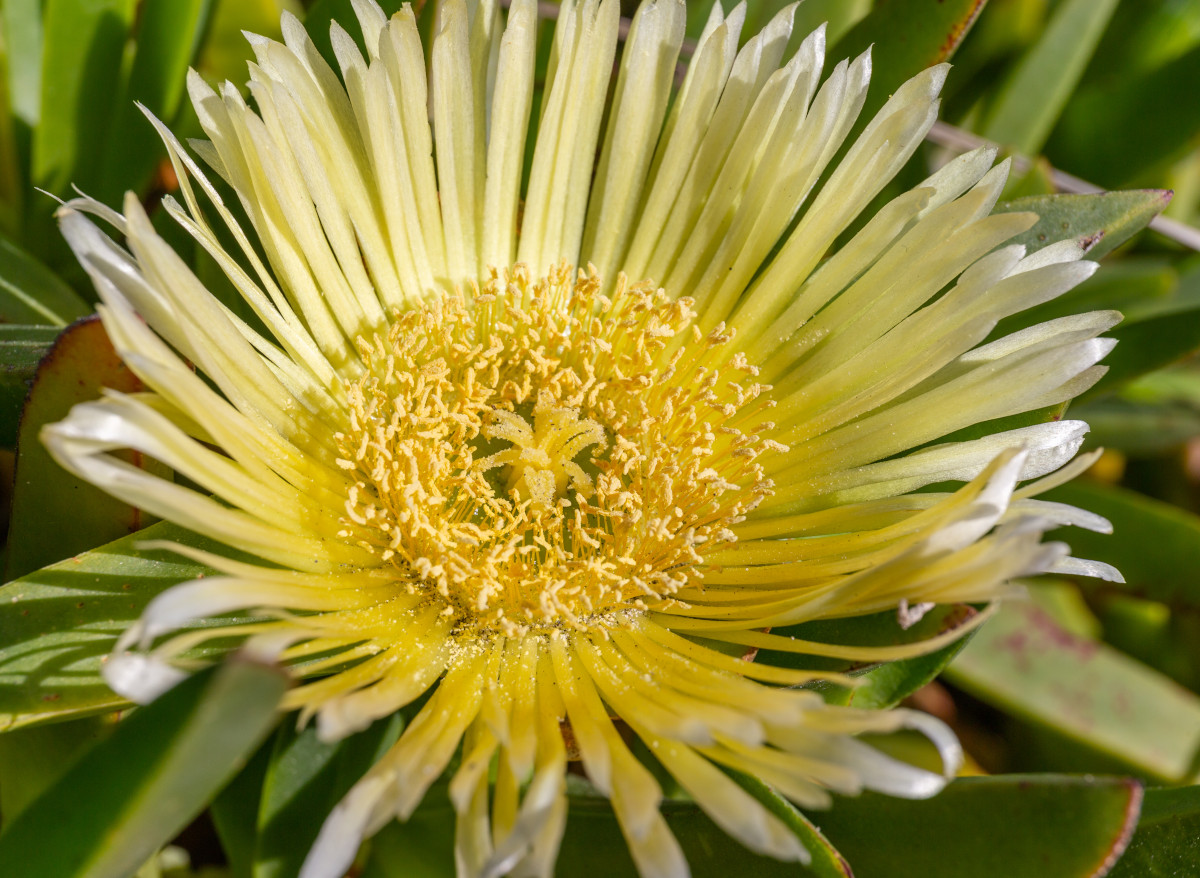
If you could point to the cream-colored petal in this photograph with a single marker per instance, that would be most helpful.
(636, 114)
(691, 113)
(459, 144)
(395, 785)
(81, 443)
(733, 140)
(1049, 445)
(563, 158)
(634, 792)
(401, 53)
(882, 148)
(508, 128)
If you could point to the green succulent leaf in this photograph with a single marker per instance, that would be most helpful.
(1167, 841)
(1099, 222)
(594, 838)
(1024, 662)
(21, 349)
(890, 683)
(80, 363)
(32, 759)
(989, 827)
(169, 36)
(1138, 428)
(235, 811)
(22, 26)
(420, 847)
(168, 40)
(592, 846)
(60, 622)
(148, 780)
(1167, 573)
(1147, 345)
(1114, 132)
(1144, 36)
(1151, 415)
(826, 861)
(306, 777)
(31, 293)
(875, 630)
(1160, 309)
(1030, 101)
(905, 37)
(84, 41)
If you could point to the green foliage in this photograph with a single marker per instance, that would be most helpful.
(593, 847)
(905, 37)
(1100, 223)
(235, 810)
(78, 106)
(168, 41)
(80, 363)
(1024, 660)
(33, 759)
(1166, 574)
(892, 682)
(147, 780)
(60, 622)
(21, 349)
(989, 827)
(1167, 842)
(1114, 132)
(31, 293)
(983, 827)
(305, 778)
(1033, 95)
(72, 70)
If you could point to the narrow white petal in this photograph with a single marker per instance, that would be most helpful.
(508, 129)
(458, 152)
(1083, 567)
(693, 108)
(344, 830)
(959, 174)
(140, 678)
(563, 159)
(635, 120)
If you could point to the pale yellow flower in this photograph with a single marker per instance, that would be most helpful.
(478, 455)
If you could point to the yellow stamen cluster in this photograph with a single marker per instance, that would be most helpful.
(537, 454)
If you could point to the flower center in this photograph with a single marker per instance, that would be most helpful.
(538, 454)
(541, 462)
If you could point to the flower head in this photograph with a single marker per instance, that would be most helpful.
(478, 454)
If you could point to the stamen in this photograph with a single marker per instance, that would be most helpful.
(535, 455)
